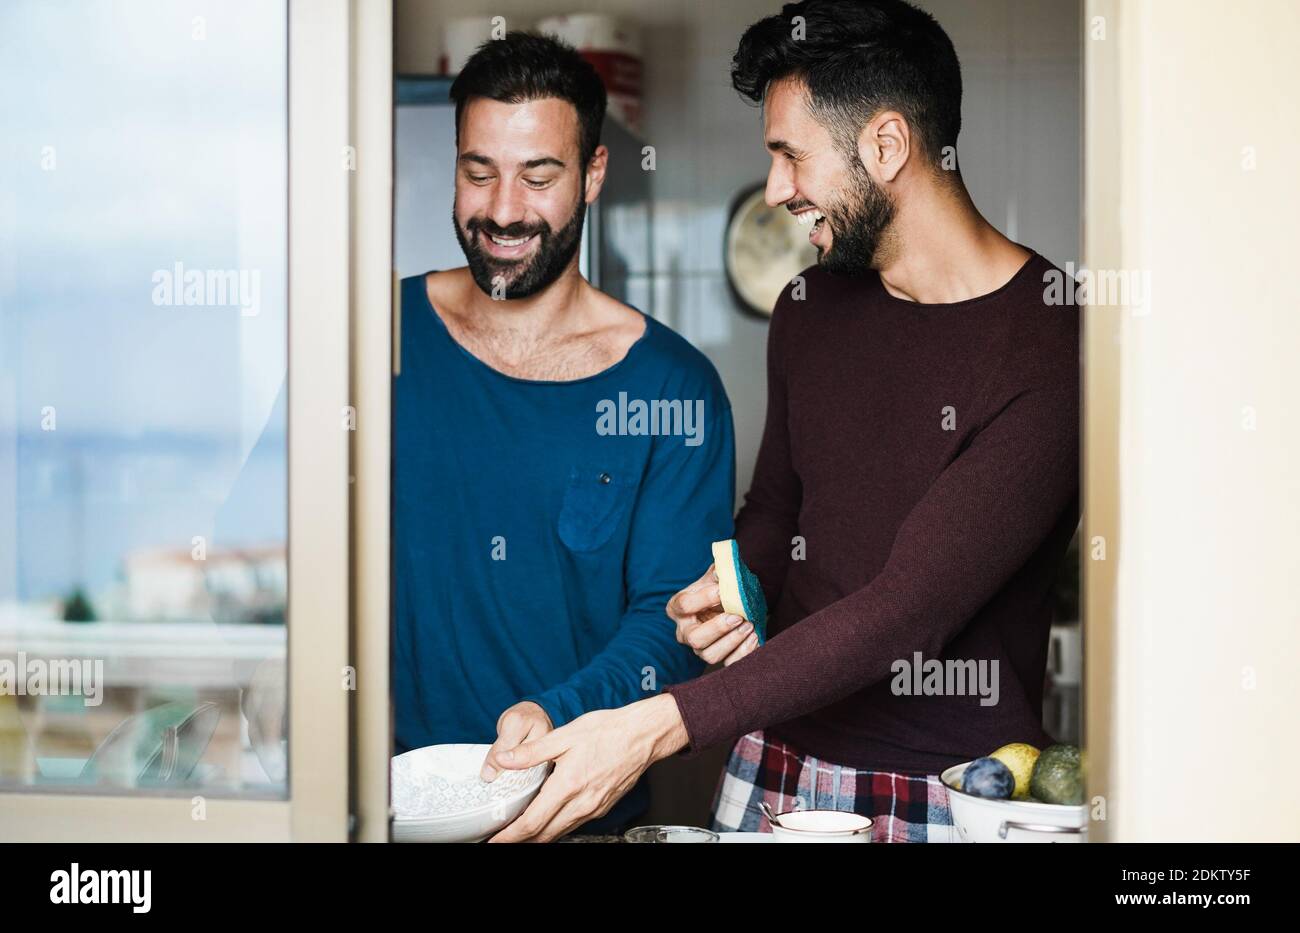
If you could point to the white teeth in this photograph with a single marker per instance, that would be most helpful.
(501, 241)
(809, 216)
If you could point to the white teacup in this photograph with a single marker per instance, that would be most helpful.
(821, 826)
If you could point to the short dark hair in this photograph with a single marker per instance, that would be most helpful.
(858, 58)
(526, 66)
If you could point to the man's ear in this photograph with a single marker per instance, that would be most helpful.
(885, 145)
(596, 172)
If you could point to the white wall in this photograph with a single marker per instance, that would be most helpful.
(1194, 617)
(1019, 148)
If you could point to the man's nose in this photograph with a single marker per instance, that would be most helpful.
(780, 185)
(507, 206)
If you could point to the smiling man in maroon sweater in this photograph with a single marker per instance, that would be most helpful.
(917, 483)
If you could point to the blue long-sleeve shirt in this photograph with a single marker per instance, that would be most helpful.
(537, 536)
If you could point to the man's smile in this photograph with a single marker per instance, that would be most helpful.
(811, 215)
(502, 247)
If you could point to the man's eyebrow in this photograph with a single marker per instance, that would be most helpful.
(780, 145)
(479, 159)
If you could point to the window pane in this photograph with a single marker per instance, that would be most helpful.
(143, 424)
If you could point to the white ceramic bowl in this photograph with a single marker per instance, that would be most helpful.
(981, 819)
(821, 826)
(438, 797)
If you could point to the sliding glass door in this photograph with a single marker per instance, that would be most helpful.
(175, 274)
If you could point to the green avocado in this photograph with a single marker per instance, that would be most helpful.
(1058, 776)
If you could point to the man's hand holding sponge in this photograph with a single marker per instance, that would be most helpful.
(723, 614)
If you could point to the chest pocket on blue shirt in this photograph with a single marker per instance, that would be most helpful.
(597, 498)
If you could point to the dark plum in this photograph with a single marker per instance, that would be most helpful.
(988, 777)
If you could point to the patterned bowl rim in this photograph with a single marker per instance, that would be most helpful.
(531, 786)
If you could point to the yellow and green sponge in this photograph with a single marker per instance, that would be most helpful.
(739, 589)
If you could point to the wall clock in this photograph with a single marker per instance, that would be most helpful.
(765, 247)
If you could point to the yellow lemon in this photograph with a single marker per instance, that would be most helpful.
(1020, 758)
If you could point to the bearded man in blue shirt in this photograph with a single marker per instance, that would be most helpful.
(561, 460)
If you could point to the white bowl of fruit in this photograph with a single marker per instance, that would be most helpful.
(1018, 794)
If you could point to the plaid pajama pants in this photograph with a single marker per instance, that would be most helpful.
(905, 807)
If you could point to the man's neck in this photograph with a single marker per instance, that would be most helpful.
(569, 330)
(941, 250)
(556, 309)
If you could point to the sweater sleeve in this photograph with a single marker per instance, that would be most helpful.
(974, 528)
(769, 520)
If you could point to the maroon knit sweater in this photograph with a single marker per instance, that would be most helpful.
(928, 455)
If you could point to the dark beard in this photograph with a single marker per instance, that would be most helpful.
(523, 277)
(858, 221)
